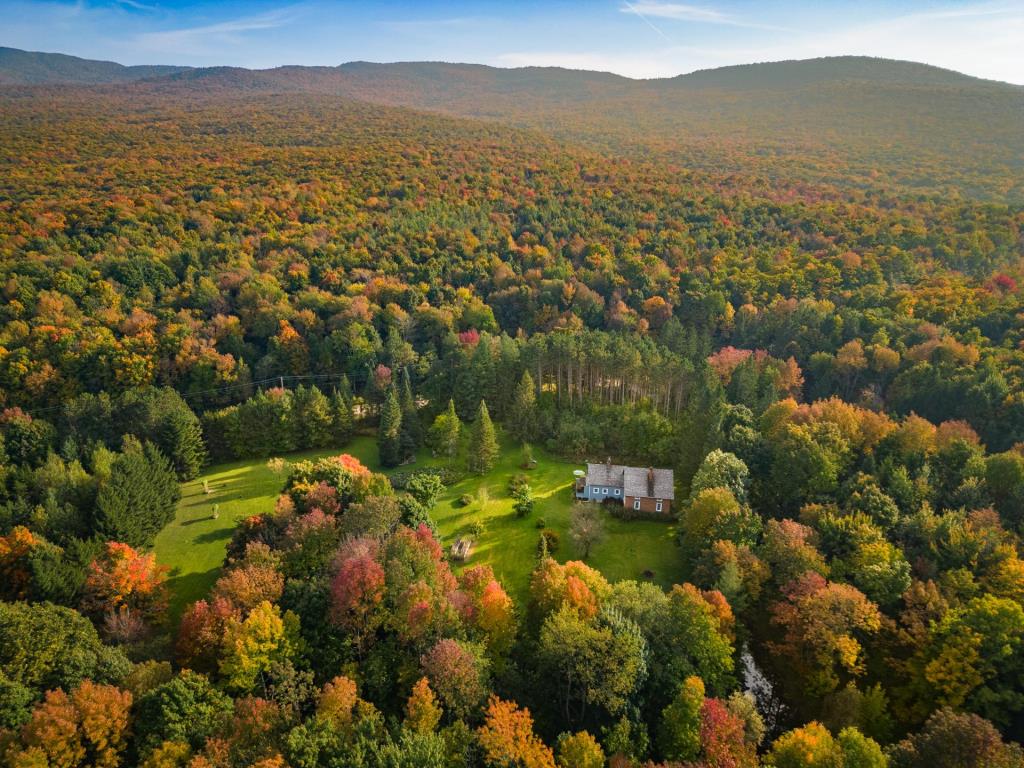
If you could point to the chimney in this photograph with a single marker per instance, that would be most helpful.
(650, 482)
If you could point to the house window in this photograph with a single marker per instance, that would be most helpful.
(618, 491)
(636, 503)
(657, 507)
(604, 491)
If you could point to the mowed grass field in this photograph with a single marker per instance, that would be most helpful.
(194, 544)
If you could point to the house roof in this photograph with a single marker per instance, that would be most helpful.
(605, 474)
(632, 480)
(636, 483)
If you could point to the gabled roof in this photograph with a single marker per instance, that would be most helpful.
(632, 480)
(605, 474)
(636, 483)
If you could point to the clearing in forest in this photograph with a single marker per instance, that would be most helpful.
(193, 545)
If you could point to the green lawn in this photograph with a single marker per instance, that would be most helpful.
(509, 544)
(193, 546)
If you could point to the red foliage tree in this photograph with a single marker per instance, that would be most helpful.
(122, 579)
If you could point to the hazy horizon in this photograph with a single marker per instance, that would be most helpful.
(642, 39)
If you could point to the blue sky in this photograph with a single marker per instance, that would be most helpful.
(637, 38)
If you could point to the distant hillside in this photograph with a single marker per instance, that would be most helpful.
(788, 74)
(30, 68)
(848, 121)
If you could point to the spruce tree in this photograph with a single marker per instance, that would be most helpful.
(481, 366)
(180, 436)
(138, 498)
(345, 388)
(522, 414)
(412, 430)
(311, 417)
(464, 389)
(389, 435)
(483, 444)
(342, 424)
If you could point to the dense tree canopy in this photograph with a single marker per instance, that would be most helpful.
(832, 370)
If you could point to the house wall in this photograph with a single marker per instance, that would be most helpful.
(597, 493)
(648, 504)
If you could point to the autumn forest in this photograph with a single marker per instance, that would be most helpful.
(815, 321)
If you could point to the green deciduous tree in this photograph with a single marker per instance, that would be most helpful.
(186, 709)
(591, 668)
(445, 433)
(679, 729)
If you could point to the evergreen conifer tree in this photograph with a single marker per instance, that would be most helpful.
(181, 437)
(481, 366)
(464, 389)
(483, 443)
(345, 388)
(522, 414)
(311, 417)
(138, 498)
(412, 430)
(342, 422)
(389, 435)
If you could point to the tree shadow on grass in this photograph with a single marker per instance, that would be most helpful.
(218, 535)
(187, 588)
(239, 492)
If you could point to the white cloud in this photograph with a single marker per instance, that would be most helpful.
(136, 5)
(648, 9)
(203, 40)
(677, 12)
(980, 39)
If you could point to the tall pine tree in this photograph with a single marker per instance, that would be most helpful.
(412, 430)
(341, 418)
(522, 414)
(483, 443)
(389, 435)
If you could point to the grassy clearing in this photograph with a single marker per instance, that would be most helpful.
(193, 546)
(509, 544)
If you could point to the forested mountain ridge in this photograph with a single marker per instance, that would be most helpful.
(38, 67)
(854, 122)
(19, 67)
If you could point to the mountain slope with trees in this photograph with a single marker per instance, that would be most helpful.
(829, 353)
(852, 122)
